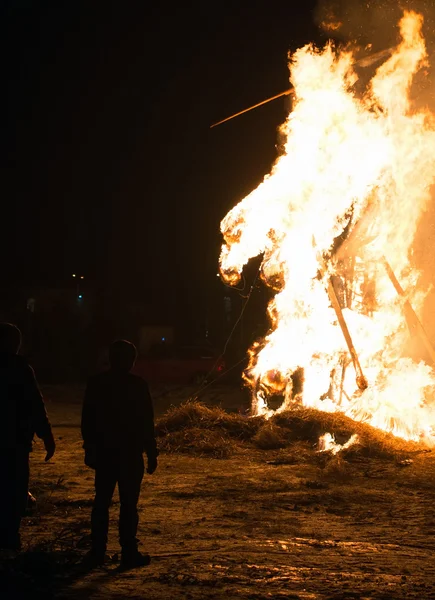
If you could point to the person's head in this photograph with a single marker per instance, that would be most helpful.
(10, 338)
(122, 355)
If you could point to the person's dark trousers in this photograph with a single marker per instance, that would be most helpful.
(14, 477)
(127, 470)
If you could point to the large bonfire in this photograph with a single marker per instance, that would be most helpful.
(335, 222)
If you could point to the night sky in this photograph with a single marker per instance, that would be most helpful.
(109, 166)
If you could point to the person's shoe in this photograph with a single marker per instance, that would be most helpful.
(93, 559)
(132, 560)
(8, 553)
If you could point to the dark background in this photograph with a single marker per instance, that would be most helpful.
(109, 166)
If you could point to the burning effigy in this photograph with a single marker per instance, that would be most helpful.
(334, 223)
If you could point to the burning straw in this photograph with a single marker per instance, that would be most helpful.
(194, 428)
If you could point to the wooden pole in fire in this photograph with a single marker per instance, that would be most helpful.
(289, 92)
(410, 313)
(361, 381)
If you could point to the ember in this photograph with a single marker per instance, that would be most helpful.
(335, 222)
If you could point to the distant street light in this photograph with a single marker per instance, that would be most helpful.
(78, 278)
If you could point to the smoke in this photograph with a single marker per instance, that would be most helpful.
(371, 23)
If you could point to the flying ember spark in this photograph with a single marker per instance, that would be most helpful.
(335, 222)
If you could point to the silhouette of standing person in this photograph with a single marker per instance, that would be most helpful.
(117, 428)
(23, 414)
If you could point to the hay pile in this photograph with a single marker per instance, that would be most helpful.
(195, 428)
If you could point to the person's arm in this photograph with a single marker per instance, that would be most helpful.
(40, 422)
(150, 444)
(89, 424)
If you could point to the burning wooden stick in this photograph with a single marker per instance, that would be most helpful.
(367, 61)
(289, 92)
(411, 316)
(361, 381)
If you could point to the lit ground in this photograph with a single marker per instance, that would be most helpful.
(235, 528)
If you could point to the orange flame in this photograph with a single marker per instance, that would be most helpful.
(327, 443)
(348, 190)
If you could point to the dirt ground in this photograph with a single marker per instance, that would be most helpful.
(245, 527)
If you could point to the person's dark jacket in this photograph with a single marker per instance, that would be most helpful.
(118, 414)
(22, 408)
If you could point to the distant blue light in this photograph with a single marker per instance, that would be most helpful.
(163, 339)
(80, 296)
